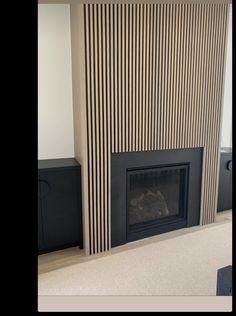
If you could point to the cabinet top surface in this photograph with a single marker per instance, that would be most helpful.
(57, 163)
(226, 149)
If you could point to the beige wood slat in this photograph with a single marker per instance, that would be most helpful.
(165, 112)
(116, 131)
(161, 80)
(150, 78)
(171, 75)
(119, 82)
(178, 83)
(182, 83)
(193, 86)
(158, 87)
(140, 76)
(89, 119)
(199, 75)
(101, 121)
(130, 78)
(147, 79)
(105, 125)
(153, 82)
(144, 76)
(137, 77)
(183, 77)
(133, 91)
(204, 111)
(98, 151)
(157, 49)
(168, 77)
(191, 76)
(109, 113)
(94, 196)
(127, 76)
(187, 74)
(112, 77)
(176, 78)
(123, 80)
(213, 110)
(209, 116)
(202, 73)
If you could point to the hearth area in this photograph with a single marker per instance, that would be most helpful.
(154, 192)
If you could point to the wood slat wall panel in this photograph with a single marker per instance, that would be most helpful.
(154, 78)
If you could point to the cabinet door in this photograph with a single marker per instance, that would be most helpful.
(60, 207)
(40, 228)
(225, 184)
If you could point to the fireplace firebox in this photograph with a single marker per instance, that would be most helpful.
(154, 192)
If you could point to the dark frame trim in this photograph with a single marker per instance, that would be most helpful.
(121, 162)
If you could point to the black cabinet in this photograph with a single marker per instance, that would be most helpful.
(59, 204)
(225, 181)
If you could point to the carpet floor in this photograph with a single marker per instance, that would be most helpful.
(183, 265)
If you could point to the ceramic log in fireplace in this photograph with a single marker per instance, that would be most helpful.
(154, 192)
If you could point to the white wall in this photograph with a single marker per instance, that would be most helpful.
(226, 131)
(55, 110)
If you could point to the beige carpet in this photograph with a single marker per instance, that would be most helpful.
(184, 265)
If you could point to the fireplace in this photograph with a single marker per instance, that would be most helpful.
(154, 192)
(156, 196)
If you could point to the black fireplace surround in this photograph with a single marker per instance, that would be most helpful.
(154, 192)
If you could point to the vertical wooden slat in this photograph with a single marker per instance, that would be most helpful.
(185, 72)
(159, 104)
(98, 151)
(119, 82)
(168, 77)
(109, 149)
(90, 128)
(130, 77)
(178, 69)
(150, 78)
(147, 78)
(106, 117)
(116, 67)
(181, 79)
(112, 81)
(133, 78)
(101, 136)
(157, 49)
(174, 61)
(201, 77)
(123, 81)
(127, 76)
(144, 76)
(165, 130)
(141, 78)
(93, 140)
(153, 127)
(207, 122)
(197, 78)
(211, 114)
(137, 105)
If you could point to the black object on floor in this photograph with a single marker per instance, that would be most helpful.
(224, 281)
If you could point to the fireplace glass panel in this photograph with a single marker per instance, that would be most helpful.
(155, 194)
